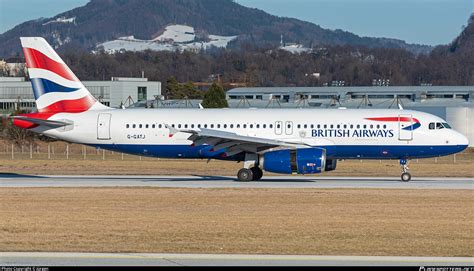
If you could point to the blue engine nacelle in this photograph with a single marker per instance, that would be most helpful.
(301, 161)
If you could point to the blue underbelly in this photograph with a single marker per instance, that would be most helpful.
(339, 152)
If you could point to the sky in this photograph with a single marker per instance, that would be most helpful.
(430, 22)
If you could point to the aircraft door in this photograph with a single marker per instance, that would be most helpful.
(278, 127)
(103, 126)
(405, 127)
(289, 127)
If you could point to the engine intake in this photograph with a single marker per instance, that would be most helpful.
(301, 161)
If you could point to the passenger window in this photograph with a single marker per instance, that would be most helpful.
(153, 126)
(378, 126)
(358, 126)
(312, 126)
(218, 126)
(251, 126)
(332, 126)
(319, 126)
(325, 126)
(128, 126)
(352, 126)
(365, 126)
(159, 126)
(278, 126)
(238, 125)
(139, 126)
(306, 126)
(299, 126)
(225, 126)
(205, 125)
(212, 125)
(245, 126)
(338, 126)
(271, 125)
(192, 126)
(231, 126)
(133, 126)
(258, 126)
(345, 126)
(385, 126)
(264, 126)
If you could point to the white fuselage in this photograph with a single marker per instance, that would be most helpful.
(346, 133)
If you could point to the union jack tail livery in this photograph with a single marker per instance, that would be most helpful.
(56, 88)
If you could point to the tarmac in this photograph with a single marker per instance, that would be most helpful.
(18, 180)
(155, 259)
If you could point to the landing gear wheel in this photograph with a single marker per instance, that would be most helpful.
(245, 175)
(406, 177)
(257, 173)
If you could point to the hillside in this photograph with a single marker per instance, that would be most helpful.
(464, 43)
(101, 21)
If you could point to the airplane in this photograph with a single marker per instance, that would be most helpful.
(286, 141)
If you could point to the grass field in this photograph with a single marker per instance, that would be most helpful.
(275, 221)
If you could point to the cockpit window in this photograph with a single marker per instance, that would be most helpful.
(438, 125)
(446, 125)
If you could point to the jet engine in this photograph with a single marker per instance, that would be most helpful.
(301, 161)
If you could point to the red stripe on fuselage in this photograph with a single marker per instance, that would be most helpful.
(394, 119)
(36, 59)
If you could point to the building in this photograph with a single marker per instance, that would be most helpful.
(453, 103)
(16, 91)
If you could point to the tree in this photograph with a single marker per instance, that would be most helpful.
(215, 97)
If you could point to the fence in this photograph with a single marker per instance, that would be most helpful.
(66, 151)
(61, 151)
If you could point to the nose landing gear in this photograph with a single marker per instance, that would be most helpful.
(406, 176)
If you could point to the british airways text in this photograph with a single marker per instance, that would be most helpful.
(351, 133)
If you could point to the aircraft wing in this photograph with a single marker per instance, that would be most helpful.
(233, 142)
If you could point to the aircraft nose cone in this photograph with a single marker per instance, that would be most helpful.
(462, 140)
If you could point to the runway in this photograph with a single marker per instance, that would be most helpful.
(156, 259)
(13, 180)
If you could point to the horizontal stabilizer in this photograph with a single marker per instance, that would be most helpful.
(48, 123)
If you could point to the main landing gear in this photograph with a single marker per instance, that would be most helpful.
(249, 174)
(251, 171)
(406, 176)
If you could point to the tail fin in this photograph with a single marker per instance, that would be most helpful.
(55, 86)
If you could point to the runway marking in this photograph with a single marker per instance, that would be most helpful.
(228, 182)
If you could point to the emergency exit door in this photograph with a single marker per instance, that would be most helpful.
(405, 127)
(103, 126)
